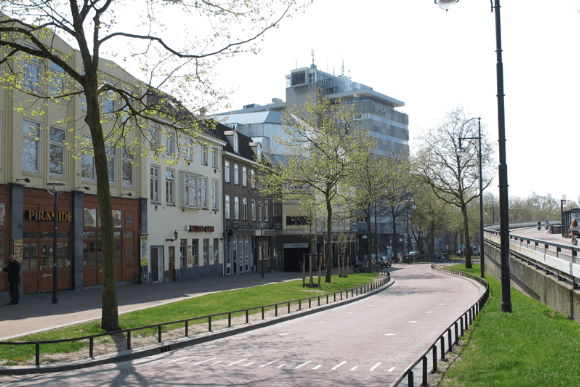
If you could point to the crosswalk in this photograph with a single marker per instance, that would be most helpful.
(246, 363)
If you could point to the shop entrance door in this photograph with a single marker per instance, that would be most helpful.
(157, 264)
(234, 254)
(171, 263)
(46, 268)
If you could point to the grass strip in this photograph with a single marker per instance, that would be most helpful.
(208, 304)
(532, 346)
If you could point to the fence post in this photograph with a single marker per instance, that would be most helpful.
(187, 328)
(91, 347)
(129, 339)
(247, 316)
(424, 381)
(299, 304)
(229, 320)
(410, 378)
(310, 302)
(262, 312)
(38, 351)
(319, 300)
(443, 347)
(276, 310)
(288, 306)
(159, 333)
(456, 333)
(209, 323)
(434, 349)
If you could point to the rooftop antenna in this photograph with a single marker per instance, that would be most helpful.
(312, 53)
(342, 73)
(296, 64)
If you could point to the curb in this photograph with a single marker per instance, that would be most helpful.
(133, 354)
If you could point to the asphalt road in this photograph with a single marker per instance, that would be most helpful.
(366, 343)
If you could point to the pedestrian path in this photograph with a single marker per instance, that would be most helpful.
(36, 312)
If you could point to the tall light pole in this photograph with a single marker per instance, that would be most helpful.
(55, 193)
(506, 304)
(461, 151)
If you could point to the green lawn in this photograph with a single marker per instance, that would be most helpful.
(198, 306)
(532, 346)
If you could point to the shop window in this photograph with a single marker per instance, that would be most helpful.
(183, 253)
(127, 167)
(88, 161)
(227, 171)
(89, 252)
(30, 146)
(30, 235)
(195, 251)
(30, 256)
(63, 254)
(206, 252)
(118, 250)
(227, 209)
(57, 151)
(154, 184)
(169, 187)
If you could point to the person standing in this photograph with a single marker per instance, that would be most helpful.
(13, 270)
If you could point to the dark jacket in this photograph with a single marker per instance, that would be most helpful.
(13, 270)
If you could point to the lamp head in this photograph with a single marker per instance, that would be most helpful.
(175, 234)
(461, 151)
(445, 4)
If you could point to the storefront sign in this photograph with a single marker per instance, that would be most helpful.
(295, 245)
(18, 250)
(144, 248)
(47, 216)
(201, 228)
(269, 232)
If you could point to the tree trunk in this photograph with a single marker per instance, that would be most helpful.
(328, 277)
(110, 315)
(467, 242)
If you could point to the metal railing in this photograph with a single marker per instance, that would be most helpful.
(459, 326)
(330, 297)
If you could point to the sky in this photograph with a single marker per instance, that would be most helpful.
(434, 61)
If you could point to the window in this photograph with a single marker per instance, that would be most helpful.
(204, 155)
(215, 259)
(111, 153)
(260, 213)
(170, 187)
(245, 208)
(57, 84)
(236, 208)
(154, 184)
(190, 191)
(31, 74)
(236, 147)
(169, 145)
(154, 137)
(206, 252)
(127, 167)
(253, 209)
(236, 174)
(195, 251)
(203, 192)
(189, 149)
(253, 178)
(227, 209)
(109, 99)
(214, 155)
(183, 253)
(214, 195)
(88, 161)
(227, 171)
(259, 180)
(244, 176)
(57, 140)
(30, 146)
(265, 212)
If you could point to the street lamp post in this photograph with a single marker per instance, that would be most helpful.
(460, 150)
(506, 304)
(55, 193)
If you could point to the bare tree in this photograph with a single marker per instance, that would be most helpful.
(140, 33)
(453, 178)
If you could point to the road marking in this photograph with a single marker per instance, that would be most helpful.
(350, 312)
(323, 322)
(264, 365)
(375, 366)
(280, 366)
(412, 322)
(354, 368)
(245, 365)
(317, 367)
(303, 364)
(391, 369)
(171, 361)
(205, 361)
(187, 361)
(239, 361)
(282, 334)
(428, 312)
(219, 361)
(336, 366)
(389, 334)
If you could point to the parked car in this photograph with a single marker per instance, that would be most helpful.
(385, 261)
(437, 256)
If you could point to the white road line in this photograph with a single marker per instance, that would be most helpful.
(375, 366)
(171, 361)
(323, 322)
(303, 364)
(282, 334)
(338, 365)
(187, 361)
(281, 365)
(389, 334)
(219, 361)
(205, 361)
(264, 365)
(412, 322)
(391, 369)
(317, 367)
(350, 312)
(245, 365)
(354, 368)
(236, 362)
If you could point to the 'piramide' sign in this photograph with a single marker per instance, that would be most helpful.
(47, 215)
(201, 228)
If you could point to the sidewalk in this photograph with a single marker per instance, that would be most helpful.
(36, 312)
